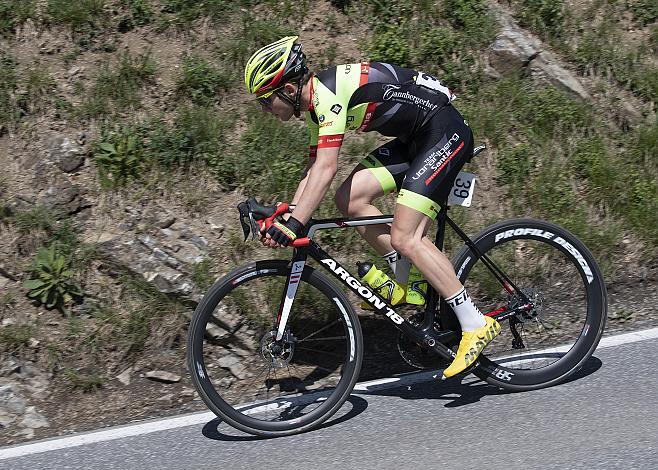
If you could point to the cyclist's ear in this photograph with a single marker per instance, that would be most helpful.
(290, 89)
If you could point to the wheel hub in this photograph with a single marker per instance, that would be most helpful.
(535, 310)
(277, 354)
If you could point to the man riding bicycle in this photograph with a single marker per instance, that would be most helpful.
(431, 144)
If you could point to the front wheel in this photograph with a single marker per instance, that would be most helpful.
(268, 387)
(557, 273)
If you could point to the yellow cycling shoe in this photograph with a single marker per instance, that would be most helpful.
(471, 345)
(416, 287)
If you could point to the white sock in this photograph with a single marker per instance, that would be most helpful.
(391, 258)
(399, 265)
(470, 318)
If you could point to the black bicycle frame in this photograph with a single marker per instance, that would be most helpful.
(426, 334)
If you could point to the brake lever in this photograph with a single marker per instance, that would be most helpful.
(255, 227)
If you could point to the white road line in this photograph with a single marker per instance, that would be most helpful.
(193, 419)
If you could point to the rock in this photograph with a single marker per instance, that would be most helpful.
(216, 226)
(187, 392)
(34, 420)
(10, 402)
(233, 364)
(6, 419)
(65, 197)
(27, 433)
(124, 377)
(215, 332)
(200, 242)
(168, 281)
(225, 382)
(8, 367)
(168, 398)
(516, 51)
(167, 222)
(65, 154)
(162, 376)
(147, 241)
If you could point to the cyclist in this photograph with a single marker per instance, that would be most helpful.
(430, 145)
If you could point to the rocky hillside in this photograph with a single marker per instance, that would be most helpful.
(126, 141)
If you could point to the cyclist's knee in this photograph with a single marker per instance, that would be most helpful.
(403, 242)
(342, 201)
(351, 198)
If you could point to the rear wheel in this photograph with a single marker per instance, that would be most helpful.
(550, 341)
(269, 387)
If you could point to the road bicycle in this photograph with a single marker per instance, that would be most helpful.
(275, 346)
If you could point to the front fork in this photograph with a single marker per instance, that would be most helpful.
(292, 283)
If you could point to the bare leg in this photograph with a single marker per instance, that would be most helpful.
(409, 228)
(354, 199)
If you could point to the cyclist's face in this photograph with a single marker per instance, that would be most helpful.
(277, 106)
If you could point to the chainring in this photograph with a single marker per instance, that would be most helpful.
(417, 356)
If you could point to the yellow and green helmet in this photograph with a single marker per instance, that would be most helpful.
(273, 65)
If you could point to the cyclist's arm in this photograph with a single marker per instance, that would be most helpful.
(302, 183)
(319, 178)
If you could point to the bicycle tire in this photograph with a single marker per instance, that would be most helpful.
(326, 300)
(573, 273)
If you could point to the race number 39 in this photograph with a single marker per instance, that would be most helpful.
(462, 190)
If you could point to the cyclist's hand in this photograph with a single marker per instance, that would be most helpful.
(284, 233)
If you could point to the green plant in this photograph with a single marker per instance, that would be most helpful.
(148, 310)
(391, 45)
(9, 112)
(39, 87)
(51, 282)
(472, 17)
(267, 161)
(545, 17)
(14, 337)
(140, 13)
(183, 12)
(35, 218)
(514, 165)
(115, 90)
(644, 11)
(437, 45)
(202, 275)
(13, 13)
(201, 80)
(84, 381)
(197, 134)
(119, 157)
(79, 15)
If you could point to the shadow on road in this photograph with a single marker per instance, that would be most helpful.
(456, 392)
(466, 390)
(359, 405)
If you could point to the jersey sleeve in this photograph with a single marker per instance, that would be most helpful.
(331, 111)
(313, 129)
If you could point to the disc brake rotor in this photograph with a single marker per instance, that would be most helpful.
(277, 354)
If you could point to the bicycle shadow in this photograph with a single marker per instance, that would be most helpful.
(211, 431)
(456, 392)
(468, 389)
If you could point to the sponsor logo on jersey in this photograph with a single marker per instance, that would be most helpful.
(321, 118)
(325, 124)
(348, 68)
(336, 108)
(437, 157)
(392, 93)
(334, 140)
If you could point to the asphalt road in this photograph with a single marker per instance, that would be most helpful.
(606, 417)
